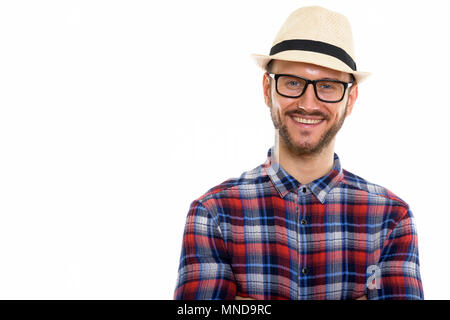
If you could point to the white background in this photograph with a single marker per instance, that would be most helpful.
(116, 115)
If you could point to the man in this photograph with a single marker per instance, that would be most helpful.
(299, 226)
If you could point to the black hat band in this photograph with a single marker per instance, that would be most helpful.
(314, 46)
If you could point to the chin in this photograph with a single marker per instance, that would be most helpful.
(302, 148)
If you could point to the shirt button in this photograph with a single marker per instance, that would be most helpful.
(303, 222)
(304, 189)
(305, 271)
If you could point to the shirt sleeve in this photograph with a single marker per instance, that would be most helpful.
(398, 266)
(204, 272)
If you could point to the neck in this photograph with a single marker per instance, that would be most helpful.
(305, 168)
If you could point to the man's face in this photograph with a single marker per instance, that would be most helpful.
(302, 139)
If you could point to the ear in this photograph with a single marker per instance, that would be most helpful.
(352, 96)
(267, 90)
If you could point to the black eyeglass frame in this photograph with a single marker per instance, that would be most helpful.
(313, 82)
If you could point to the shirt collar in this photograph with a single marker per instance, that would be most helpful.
(285, 183)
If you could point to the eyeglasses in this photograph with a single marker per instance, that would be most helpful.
(326, 90)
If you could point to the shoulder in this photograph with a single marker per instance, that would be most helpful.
(364, 187)
(236, 187)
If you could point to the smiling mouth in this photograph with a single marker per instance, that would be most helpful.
(307, 121)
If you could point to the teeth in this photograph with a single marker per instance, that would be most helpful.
(301, 120)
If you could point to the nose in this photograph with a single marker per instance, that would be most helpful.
(309, 96)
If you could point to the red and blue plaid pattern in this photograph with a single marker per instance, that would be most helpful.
(264, 235)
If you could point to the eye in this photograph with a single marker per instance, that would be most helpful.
(327, 85)
(293, 84)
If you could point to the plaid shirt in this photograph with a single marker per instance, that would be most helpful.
(267, 236)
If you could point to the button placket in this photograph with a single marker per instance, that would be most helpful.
(303, 190)
(303, 196)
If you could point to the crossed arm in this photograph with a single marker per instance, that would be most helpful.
(205, 274)
(242, 298)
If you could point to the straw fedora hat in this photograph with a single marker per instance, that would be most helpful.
(315, 35)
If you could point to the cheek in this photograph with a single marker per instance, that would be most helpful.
(338, 114)
(275, 105)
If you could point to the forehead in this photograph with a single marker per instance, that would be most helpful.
(307, 70)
